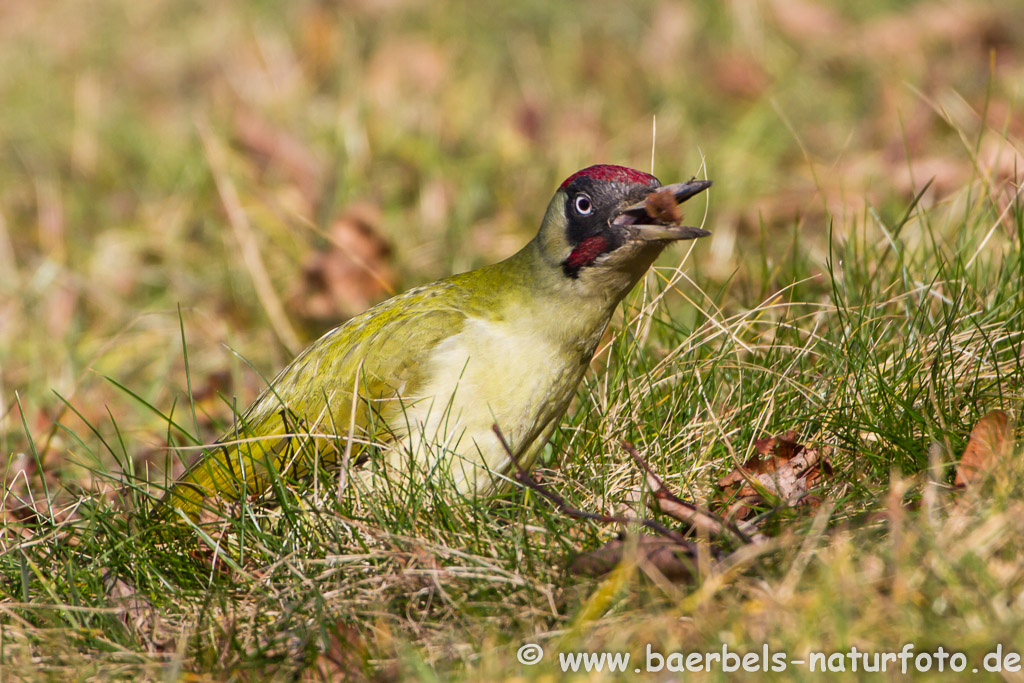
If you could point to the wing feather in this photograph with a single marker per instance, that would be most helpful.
(377, 357)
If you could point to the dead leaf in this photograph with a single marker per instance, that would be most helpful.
(61, 308)
(945, 174)
(529, 120)
(208, 399)
(345, 657)
(781, 468)
(740, 75)
(801, 19)
(959, 27)
(278, 148)
(988, 445)
(662, 207)
(351, 274)
(673, 560)
(319, 40)
(769, 452)
(672, 26)
(404, 67)
(137, 612)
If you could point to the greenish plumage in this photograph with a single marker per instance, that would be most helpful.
(431, 370)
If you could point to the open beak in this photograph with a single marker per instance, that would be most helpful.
(646, 222)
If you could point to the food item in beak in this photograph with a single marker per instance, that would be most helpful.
(663, 207)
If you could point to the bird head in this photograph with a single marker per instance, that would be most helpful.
(607, 224)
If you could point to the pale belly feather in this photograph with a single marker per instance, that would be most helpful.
(487, 374)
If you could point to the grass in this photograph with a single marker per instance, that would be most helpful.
(862, 287)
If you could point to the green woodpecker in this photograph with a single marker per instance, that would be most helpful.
(416, 383)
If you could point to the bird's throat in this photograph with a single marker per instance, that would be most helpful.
(585, 253)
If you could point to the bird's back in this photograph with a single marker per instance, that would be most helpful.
(389, 357)
(307, 412)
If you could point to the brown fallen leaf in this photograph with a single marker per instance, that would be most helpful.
(403, 67)
(529, 120)
(769, 453)
(780, 467)
(318, 41)
(739, 74)
(19, 521)
(351, 274)
(988, 445)
(674, 561)
(804, 19)
(207, 397)
(662, 207)
(280, 149)
(137, 612)
(345, 656)
(217, 382)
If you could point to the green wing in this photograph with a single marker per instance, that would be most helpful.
(373, 358)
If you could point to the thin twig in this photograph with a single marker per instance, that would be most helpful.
(675, 507)
(524, 478)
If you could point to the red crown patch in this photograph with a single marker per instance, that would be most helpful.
(610, 173)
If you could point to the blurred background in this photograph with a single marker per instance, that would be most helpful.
(255, 172)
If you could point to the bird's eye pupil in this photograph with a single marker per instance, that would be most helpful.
(583, 205)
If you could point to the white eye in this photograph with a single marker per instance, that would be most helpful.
(583, 205)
